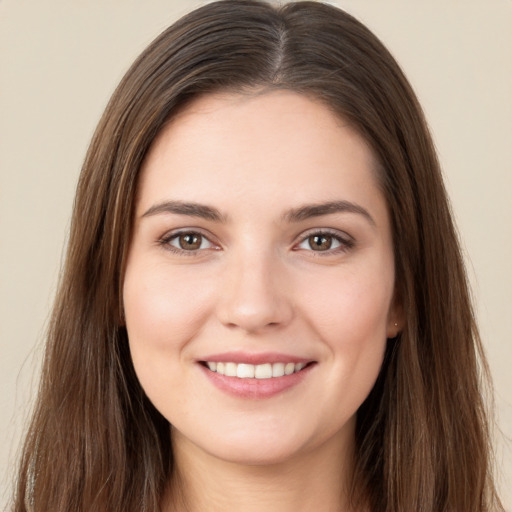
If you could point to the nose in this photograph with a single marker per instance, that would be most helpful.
(255, 295)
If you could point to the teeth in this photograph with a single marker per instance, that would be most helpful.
(263, 371)
(258, 371)
(277, 369)
(230, 369)
(289, 368)
(245, 371)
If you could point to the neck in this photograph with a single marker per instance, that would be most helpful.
(314, 480)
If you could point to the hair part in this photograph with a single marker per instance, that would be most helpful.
(422, 439)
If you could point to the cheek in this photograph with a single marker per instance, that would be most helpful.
(162, 310)
(350, 306)
(351, 319)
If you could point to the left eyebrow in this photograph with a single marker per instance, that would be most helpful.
(186, 208)
(317, 210)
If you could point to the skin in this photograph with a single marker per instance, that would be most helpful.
(258, 283)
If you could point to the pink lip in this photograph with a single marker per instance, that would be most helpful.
(262, 358)
(255, 388)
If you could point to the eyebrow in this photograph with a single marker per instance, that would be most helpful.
(294, 215)
(186, 208)
(317, 210)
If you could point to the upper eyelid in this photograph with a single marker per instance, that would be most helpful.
(180, 231)
(342, 235)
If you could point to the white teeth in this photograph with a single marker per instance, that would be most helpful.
(230, 369)
(289, 368)
(258, 371)
(263, 371)
(299, 366)
(245, 371)
(277, 369)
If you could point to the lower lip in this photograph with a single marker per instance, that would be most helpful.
(255, 388)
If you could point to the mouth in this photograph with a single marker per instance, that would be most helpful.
(255, 371)
(255, 376)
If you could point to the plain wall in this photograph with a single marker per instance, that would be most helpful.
(59, 63)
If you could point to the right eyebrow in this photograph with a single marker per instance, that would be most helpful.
(317, 210)
(186, 208)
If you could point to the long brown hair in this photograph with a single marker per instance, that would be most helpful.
(422, 440)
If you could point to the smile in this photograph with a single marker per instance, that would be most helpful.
(255, 376)
(254, 371)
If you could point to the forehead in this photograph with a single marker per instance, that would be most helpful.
(256, 146)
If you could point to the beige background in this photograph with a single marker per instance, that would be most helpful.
(59, 62)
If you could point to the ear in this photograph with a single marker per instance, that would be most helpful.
(396, 318)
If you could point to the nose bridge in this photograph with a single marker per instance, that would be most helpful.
(254, 294)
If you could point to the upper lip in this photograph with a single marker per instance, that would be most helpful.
(252, 358)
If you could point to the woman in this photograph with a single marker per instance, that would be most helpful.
(264, 303)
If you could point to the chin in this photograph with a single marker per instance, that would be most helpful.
(256, 454)
(244, 446)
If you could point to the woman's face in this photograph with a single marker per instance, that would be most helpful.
(259, 285)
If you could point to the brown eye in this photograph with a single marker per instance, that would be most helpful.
(320, 242)
(325, 242)
(190, 241)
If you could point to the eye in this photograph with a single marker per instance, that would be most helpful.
(322, 241)
(187, 241)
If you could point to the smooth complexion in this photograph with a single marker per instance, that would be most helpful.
(260, 237)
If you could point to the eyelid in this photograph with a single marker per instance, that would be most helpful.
(345, 240)
(165, 240)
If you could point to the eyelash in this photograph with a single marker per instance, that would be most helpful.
(345, 242)
(166, 240)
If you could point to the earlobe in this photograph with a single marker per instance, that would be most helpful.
(393, 331)
(395, 320)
